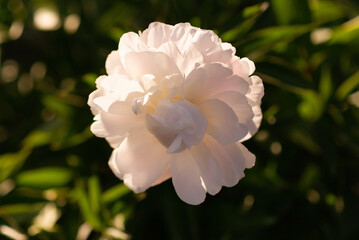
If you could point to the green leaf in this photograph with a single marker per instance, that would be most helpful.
(344, 36)
(37, 138)
(308, 178)
(44, 178)
(56, 105)
(85, 206)
(20, 208)
(302, 138)
(291, 12)
(115, 193)
(90, 79)
(285, 77)
(260, 42)
(348, 86)
(347, 33)
(251, 14)
(325, 83)
(311, 107)
(11, 162)
(94, 194)
(325, 11)
(74, 140)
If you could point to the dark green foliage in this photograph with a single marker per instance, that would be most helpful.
(305, 184)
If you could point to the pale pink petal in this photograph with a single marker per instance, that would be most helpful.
(117, 121)
(172, 119)
(220, 79)
(181, 59)
(186, 178)
(206, 41)
(243, 67)
(212, 47)
(98, 128)
(99, 80)
(165, 135)
(226, 46)
(254, 96)
(194, 135)
(219, 56)
(164, 176)
(120, 86)
(249, 157)
(194, 84)
(209, 168)
(249, 65)
(156, 34)
(256, 91)
(239, 105)
(95, 109)
(130, 42)
(223, 123)
(230, 159)
(182, 36)
(254, 124)
(113, 64)
(116, 141)
(104, 102)
(111, 125)
(140, 160)
(156, 63)
(196, 57)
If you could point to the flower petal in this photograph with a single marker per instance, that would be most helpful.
(181, 36)
(220, 55)
(194, 84)
(104, 102)
(220, 79)
(181, 59)
(156, 34)
(230, 159)
(186, 178)
(130, 42)
(172, 119)
(140, 160)
(114, 64)
(249, 157)
(156, 63)
(209, 168)
(249, 65)
(117, 121)
(239, 105)
(206, 41)
(254, 124)
(95, 109)
(256, 91)
(164, 176)
(120, 86)
(223, 123)
(116, 141)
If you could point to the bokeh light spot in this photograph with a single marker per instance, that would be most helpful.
(276, 148)
(9, 71)
(25, 84)
(38, 70)
(46, 19)
(72, 23)
(16, 30)
(313, 196)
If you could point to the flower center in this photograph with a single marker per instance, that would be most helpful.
(177, 124)
(139, 104)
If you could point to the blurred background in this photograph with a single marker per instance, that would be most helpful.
(54, 179)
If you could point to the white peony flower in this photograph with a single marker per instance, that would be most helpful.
(177, 103)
